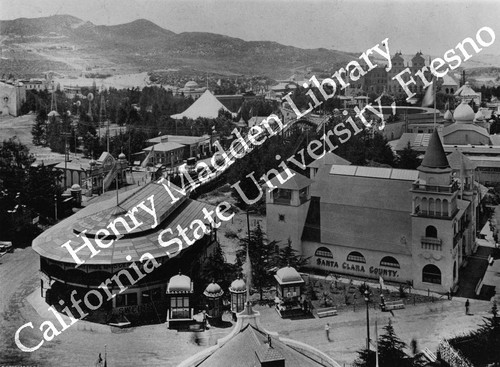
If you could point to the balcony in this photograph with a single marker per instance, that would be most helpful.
(431, 243)
(436, 188)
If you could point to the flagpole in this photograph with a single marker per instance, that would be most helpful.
(434, 80)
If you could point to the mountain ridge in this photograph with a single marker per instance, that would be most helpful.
(146, 45)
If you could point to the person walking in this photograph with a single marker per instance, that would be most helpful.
(467, 304)
(327, 331)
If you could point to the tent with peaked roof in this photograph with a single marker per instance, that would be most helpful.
(206, 106)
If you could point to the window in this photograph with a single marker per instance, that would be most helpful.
(431, 231)
(283, 196)
(303, 194)
(129, 299)
(390, 262)
(431, 274)
(323, 252)
(356, 257)
(281, 217)
(179, 302)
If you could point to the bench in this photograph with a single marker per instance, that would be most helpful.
(392, 305)
(325, 312)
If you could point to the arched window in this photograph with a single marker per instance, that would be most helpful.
(447, 90)
(323, 252)
(431, 274)
(390, 262)
(425, 206)
(356, 257)
(431, 206)
(431, 231)
(445, 207)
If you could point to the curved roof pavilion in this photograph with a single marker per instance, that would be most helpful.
(135, 243)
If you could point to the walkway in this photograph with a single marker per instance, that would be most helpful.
(473, 272)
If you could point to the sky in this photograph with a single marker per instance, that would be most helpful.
(432, 27)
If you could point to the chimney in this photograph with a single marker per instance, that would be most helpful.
(270, 357)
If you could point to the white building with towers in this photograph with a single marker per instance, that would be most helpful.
(406, 226)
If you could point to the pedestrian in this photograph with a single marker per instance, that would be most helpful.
(327, 330)
(467, 304)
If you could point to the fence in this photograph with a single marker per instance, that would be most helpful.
(452, 356)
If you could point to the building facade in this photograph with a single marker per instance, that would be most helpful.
(406, 226)
(123, 271)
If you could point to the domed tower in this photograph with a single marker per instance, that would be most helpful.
(436, 216)
(288, 291)
(465, 130)
(448, 118)
(213, 294)
(179, 294)
(238, 290)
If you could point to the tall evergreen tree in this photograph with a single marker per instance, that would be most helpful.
(491, 333)
(390, 349)
(260, 257)
(39, 129)
(288, 256)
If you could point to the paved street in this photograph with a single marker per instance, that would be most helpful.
(155, 345)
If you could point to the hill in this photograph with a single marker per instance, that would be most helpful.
(71, 43)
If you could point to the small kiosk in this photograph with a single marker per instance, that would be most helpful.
(179, 294)
(213, 294)
(238, 290)
(288, 292)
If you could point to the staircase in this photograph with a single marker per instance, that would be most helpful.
(112, 174)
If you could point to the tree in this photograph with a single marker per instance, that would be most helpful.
(41, 184)
(408, 158)
(391, 351)
(217, 269)
(491, 333)
(287, 256)
(260, 257)
(39, 130)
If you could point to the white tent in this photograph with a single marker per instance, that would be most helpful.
(207, 106)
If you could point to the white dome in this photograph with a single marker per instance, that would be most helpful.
(238, 285)
(464, 114)
(478, 116)
(179, 283)
(213, 290)
(191, 85)
(288, 275)
(448, 116)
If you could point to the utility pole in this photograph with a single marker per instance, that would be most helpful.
(66, 158)
(367, 300)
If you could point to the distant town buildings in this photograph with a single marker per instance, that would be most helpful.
(12, 96)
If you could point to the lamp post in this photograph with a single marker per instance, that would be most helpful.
(367, 300)
(55, 206)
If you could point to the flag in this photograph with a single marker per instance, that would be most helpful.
(429, 96)
(381, 282)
